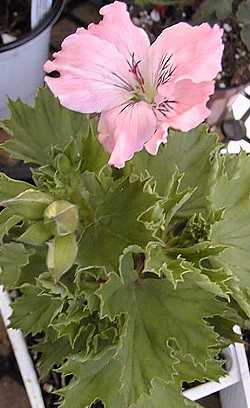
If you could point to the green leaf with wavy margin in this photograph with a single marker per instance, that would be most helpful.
(35, 129)
(233, 231)
(116, 224)
(122, 377)
(13, 257)
(34, 311)
(192, 153)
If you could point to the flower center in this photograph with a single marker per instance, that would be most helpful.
(141, 91)
(146, 91)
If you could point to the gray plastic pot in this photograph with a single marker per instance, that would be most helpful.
(21, 61)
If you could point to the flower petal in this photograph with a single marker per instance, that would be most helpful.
(194, 52)
(94, 76)
(160, 136)
(190, 108)
(125, 132)
(117, 28)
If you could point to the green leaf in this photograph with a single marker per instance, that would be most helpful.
(36, 266)
(61, 255)
(35, 130)
(192, 155)
(13, 257)
(233, 231)
(164, 395)
(145, 335)
(158, 261)
(95, 156)
(245, 35)
(7, 221)
(10, 188)
(97, 377)
(34, 311)
(116, 225)
(211, 372)
(213, 9)
(123, 377)
(36, 234)
(88, 281)
(175, 199)
(148, 297)
(29, 204)
(243, 17)
(54, 351)
(75, 320)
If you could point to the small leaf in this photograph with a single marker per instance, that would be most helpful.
(36, 266)
(76, 321)
(212, 10)
(88, 281)
(34, 311)
(54, 351)
(29, 204)
(10, 188)
(36, 234)
(245, 35)
(175, 199)
(243, 12)
(13, 257)
(95, 157)
(7, 221)
(61, 255)
(243, 17)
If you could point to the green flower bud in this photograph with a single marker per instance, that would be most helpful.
(64, 215)
(30, 204)
(61, 255)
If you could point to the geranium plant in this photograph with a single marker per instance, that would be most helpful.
(133, 275)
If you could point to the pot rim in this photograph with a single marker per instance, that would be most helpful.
(49, 20)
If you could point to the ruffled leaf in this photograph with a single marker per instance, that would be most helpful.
(116, 224)
(192, 153)
(34, 129)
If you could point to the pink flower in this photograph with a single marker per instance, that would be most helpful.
(140, 90)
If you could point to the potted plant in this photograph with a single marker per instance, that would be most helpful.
(134, 275)
(23, 49)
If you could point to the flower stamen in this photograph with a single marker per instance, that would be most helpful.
(124, 84)
(134, 69)
(165, 70)
(165, 106)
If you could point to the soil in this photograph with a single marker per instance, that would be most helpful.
(14, 17)
(236, 57)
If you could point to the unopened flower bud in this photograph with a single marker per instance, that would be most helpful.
(61, 255)
(64, 215)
